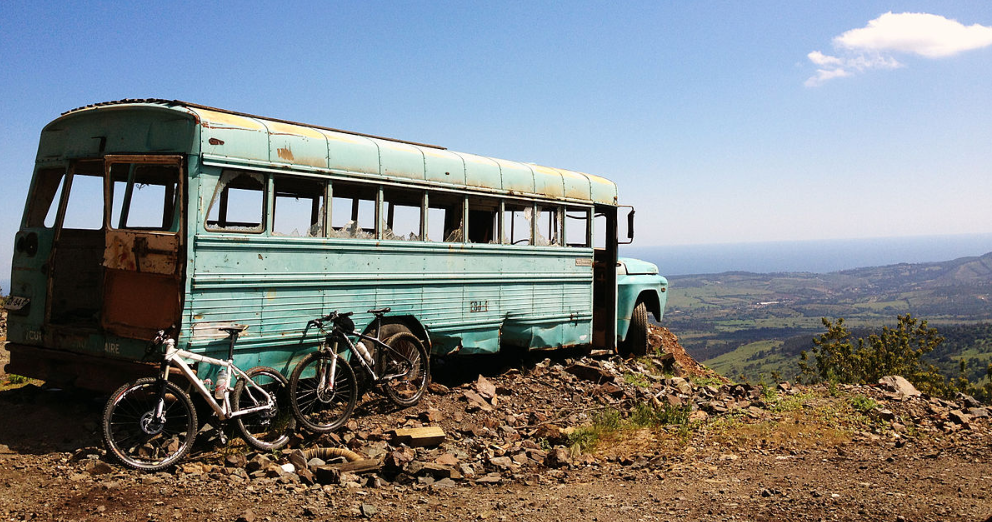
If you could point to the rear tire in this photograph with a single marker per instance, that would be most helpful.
(132, 436)
(319, 410)
(636, 342)
(269, 429)
(407, 389)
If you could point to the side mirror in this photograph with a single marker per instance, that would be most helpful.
(630, 225)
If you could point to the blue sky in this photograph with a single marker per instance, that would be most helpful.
(722, 122)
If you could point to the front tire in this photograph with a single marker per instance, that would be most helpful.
(268, 429)
(407, 357)
(317, 408)
(134, 437)
(636, 342)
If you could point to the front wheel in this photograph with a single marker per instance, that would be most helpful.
(405, 369)
(636, 342)
(133, 433)
(267, 429)
(323, 392)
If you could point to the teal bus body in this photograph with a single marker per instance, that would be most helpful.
(515, 263)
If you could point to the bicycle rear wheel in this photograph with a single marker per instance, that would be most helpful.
(136, 438)
(267, 429)
(406, 369)
(319, 404)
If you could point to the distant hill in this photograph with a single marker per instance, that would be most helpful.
(740, 321)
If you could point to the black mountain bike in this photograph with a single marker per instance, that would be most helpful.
(323, 389)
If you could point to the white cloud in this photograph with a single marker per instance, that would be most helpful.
(870, 47)
(928, 35)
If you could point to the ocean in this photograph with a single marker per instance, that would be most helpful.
(809, 256)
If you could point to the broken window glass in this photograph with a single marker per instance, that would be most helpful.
(299, 207)
(517, 219)
(444, 218)
(353, 211)
(238, 203)
(548, 231)
(401, 214)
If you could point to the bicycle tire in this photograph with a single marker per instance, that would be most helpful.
(269, 429)
(408, 356)
(321, 411)
(131, 435)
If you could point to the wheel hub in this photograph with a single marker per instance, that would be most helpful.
(150, 425)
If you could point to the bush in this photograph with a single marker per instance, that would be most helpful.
(896, 351)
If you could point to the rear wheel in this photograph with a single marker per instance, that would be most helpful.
(636, 342)
(407, 363)
(317, 404)
(136, 438)
(269, 428)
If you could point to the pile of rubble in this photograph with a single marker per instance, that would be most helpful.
(518, 425)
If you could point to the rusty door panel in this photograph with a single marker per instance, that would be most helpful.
(141, 252)
(138, 304)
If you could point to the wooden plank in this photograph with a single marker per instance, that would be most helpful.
(420, 437)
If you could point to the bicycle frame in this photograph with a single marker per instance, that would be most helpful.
(379, 346)
(174, 357)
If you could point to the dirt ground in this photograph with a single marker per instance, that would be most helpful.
(51, 469)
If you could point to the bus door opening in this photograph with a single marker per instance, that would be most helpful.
(604, 295)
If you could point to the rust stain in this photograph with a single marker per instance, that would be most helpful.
(285, 153)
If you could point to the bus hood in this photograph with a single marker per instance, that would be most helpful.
(632, 266)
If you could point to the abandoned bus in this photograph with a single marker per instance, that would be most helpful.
(153, 214)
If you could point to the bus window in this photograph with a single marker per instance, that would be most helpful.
(298, 207)
(144, 196)
(517, 223)
(548, 227)
(44, 200)
(577, 227)
(483, 221)
(401, 214)
(238, 203)
(599, 232)
(444, 218)
(353, 210)
(85, 208)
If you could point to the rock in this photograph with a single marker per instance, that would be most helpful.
(960, 417)
(437, 471)
(681, 385)
(97, 467)
(588, 372)
(235, 460)
(559, 457)
(485, 388)
(492, 478)
(438, 389)
(327, 475)
(258, 462)
(447, 460)
(979, 412)
(475, 402)
(368, 510)
(431, 416)
(898, 385)
(503, 463)
(246, 516)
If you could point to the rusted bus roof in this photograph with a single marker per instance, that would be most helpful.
(239, 138)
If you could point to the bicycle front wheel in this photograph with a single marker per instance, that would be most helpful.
(136, 437)
(405, 369)
(269, 428)
(322, 403)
